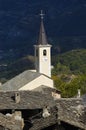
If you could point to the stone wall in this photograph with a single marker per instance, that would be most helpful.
(10, 122)
(72, 111)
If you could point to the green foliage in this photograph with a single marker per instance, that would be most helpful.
(69, 73)
(60, 69)
(74, 60)
(69, 84)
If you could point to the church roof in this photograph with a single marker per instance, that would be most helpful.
(42, 34)
(42, 88)
(19, 81)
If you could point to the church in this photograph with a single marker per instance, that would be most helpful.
(35, 80)
(28, 101)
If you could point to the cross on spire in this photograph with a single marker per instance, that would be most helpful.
(41, 14)
(42, 35)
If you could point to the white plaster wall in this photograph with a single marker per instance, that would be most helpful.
(56, 95)
(45, 61)
(42, 80)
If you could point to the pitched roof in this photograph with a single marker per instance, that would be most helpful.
(28, 99)
(19, 81)
(42, 88)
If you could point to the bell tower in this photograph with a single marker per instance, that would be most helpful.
(43, 51)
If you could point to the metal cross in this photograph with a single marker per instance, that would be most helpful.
(41, 14)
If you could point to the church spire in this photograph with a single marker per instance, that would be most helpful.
(42, 34)
(43, 52)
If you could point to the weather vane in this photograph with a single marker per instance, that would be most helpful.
(41, 14)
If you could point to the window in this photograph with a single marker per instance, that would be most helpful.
(44, 52)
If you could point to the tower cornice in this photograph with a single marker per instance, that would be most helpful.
(48, 45)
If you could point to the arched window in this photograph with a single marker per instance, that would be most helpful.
(44, 52)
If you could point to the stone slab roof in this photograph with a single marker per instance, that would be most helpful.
(27, 100)
(19, 81)
(40, 88)
(84, 99)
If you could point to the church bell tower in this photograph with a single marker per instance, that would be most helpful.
(43, 52)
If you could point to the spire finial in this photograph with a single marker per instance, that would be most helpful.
(41, 14)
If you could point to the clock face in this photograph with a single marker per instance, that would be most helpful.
(45, 58)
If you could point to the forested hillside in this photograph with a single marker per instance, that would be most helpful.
(11, 67)
(69, 72)
(70, 62)
(65, 24)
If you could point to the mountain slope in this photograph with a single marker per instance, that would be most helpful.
(19, 23)
(69, 73)
(70, 62)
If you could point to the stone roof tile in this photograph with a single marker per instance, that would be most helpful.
(19, 81)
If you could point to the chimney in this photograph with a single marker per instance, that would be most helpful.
(17, 97)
